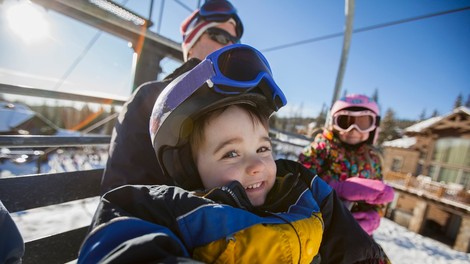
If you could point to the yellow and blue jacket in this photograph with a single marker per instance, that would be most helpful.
(302, 221)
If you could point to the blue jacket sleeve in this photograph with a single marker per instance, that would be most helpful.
(132, 240)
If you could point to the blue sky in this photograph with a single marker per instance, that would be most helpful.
(416, 66)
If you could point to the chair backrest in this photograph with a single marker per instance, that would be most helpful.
(34, 191)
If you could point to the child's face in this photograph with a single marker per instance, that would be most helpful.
(236, 147)
(353, 136)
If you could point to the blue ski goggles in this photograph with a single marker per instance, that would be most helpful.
(232, 70)
(216, 11)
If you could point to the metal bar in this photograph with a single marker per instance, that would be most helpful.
(44, 93)
(286, 143)
(51, 141)
(21, 193)
(65, 247)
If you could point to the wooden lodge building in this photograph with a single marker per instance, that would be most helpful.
(429, 168)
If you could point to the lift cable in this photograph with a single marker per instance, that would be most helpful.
(334, 35)
(185, 6)
(82, 55)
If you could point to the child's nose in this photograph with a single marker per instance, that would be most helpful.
(255, 165)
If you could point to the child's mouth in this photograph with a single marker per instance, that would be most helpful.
(254, 186)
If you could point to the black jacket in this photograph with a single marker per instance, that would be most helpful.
(131, 158)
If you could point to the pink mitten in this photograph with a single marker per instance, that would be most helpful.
(369, 220)
(367, 190)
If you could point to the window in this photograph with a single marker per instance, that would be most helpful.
(397, 164)
(455, 151)
(451, 161)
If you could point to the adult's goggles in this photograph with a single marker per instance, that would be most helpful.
(363, 121)
(221, 36)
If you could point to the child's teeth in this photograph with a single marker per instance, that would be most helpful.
(253, 186)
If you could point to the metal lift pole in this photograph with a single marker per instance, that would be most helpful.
(349, 9)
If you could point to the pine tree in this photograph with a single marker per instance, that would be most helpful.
(321, 118)
(388, 127)
(422, 116)
(375, 96)
(435, 113)
(467, 103)
(458, 101)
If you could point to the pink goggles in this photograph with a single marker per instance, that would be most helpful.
(363, 121)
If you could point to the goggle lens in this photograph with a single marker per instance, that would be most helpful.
(362, 121)
(241, 65)
(242, 69)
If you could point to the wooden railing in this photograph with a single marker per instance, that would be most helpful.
(424, 185)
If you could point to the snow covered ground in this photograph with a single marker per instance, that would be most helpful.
(406, 247)
(401, 245)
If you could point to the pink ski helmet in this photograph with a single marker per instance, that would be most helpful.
(358, 102)
(355, 100)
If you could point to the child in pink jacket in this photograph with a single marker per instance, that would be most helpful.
(343, 155)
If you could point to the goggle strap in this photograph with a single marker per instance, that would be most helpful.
(199, 75)
(355, 113)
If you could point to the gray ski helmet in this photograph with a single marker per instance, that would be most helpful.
(197, 92)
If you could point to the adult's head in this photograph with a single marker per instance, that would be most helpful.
(356, 119)
(236, 74)
(214, 25)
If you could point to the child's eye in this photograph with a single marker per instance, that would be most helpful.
(230, 154)
(264, 149)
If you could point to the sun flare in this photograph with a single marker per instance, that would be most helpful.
(27, 22)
